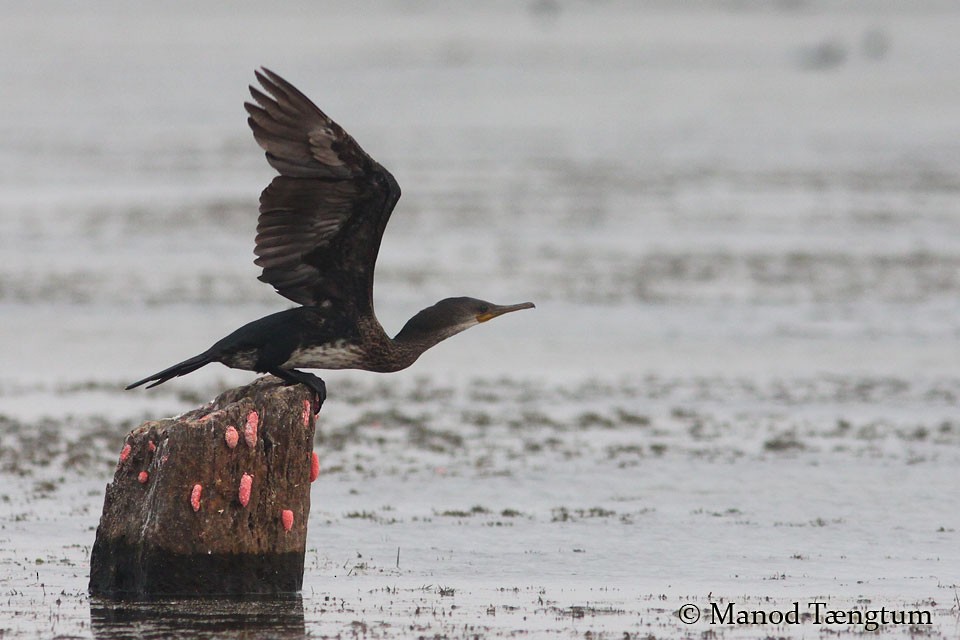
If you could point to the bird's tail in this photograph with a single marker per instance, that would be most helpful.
(181, 369)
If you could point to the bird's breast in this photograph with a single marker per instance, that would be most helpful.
(339, 354)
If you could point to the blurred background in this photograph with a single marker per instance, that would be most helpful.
(691, 186)
(739, 221)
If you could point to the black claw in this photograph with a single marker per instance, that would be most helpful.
(319, 387)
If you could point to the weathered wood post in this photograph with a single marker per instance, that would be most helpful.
(213, 502)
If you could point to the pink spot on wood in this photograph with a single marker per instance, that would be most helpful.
(287, 518)
(307, 412)
(250, 430)
(195, 497)
(246, 485)
(151, 446)
(314, 466)
(125, 453)
(232, 437)
(143, 477)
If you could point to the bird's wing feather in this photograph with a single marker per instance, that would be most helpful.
(322, 218)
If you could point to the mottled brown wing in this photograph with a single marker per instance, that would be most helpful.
(322, 218)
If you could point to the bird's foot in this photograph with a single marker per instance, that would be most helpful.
(312, 382)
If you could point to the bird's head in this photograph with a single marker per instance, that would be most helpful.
(450, 316)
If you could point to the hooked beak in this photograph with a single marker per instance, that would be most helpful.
(498, 310)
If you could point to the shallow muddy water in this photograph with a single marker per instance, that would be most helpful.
(740, 222)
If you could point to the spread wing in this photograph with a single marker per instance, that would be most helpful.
(322, 218)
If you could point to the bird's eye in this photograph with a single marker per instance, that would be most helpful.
(483, 308)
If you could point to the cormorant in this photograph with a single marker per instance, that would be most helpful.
(318, 234)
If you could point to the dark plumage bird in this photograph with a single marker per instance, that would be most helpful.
(319, 231)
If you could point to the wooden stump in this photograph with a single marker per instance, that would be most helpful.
(213, 502)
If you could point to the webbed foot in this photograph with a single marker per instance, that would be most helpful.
(314, 383)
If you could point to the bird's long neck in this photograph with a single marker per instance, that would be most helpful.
(386, 354)
(410, 345)
(419, 334)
